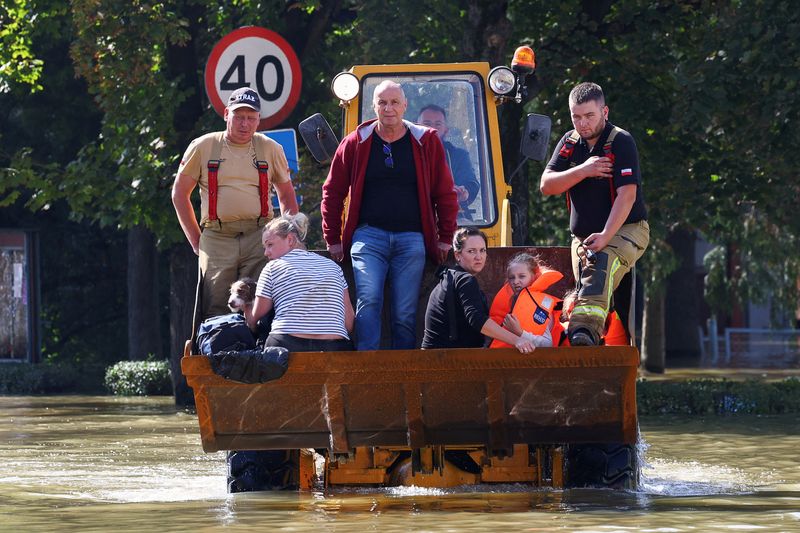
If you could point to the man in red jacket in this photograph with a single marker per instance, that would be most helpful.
(402, 205)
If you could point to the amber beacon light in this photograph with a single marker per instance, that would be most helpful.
(524, 61)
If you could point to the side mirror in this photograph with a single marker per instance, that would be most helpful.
(319, 137)
(535, 137)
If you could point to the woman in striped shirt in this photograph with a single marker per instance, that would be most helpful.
(313, 312)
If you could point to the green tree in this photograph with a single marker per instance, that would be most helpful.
(709, 98)
(18, 63)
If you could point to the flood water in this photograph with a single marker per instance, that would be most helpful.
(77, 463)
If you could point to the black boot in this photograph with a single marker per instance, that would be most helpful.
(582, 337)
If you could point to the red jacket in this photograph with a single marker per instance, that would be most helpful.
(437, 197)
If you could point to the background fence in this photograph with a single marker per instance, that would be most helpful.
(751, 348)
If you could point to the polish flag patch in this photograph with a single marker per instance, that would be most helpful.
(627, 172)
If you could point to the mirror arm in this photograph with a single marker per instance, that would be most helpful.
(525, 159)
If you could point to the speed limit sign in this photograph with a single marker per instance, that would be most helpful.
(262, 60)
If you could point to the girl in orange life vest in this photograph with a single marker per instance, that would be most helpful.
(522, 305)
(614, 333)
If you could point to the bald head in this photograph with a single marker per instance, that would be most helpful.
(387, 85)
(390, 104)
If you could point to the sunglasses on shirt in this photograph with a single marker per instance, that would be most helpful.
(387, 151)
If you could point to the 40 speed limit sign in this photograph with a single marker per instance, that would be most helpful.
(262, 60)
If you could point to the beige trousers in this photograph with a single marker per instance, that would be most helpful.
(228, 251)
(599, 279)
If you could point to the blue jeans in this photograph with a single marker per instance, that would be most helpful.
(376, 254)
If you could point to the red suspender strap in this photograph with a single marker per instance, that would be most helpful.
(213, 172)
(263, 175)
(263, 187)
(213, 180)
(213, 168)
(566, 153)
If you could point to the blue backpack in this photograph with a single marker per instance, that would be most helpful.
(224, 333)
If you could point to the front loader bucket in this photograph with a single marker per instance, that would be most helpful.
(416, 398)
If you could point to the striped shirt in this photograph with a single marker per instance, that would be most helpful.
(306, 290)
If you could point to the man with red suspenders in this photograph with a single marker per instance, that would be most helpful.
(597, 166)
(234, 169)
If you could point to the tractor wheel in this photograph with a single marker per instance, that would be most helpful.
(263, 470)
(614, 466)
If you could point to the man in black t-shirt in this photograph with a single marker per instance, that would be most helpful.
(597, 166)
(401, 206)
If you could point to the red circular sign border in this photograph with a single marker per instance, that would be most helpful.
(269, 35)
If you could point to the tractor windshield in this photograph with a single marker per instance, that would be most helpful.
(452, 103)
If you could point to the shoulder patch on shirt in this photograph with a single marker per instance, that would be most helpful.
(627, 172)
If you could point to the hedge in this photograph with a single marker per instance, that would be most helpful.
(47, 378)
(139, 378)
(714, 396)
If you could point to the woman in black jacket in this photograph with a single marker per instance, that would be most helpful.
(457, 315)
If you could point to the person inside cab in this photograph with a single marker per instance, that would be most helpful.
(467, 186)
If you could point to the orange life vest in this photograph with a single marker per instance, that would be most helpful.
(532, 307)
(614, 334)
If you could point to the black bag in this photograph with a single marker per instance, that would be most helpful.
(224, 333)
(251, 366)
(263, 328)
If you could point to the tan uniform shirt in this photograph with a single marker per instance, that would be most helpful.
(237, 179)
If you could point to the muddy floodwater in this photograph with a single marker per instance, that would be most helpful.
(77, 463)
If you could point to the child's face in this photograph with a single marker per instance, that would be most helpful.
(519, 276)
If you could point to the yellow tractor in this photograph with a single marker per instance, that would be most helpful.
(560, 417)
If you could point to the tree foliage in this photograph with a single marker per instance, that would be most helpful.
(711, 102)
(700, 84)
(18, 63)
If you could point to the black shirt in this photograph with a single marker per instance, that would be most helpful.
(389, 200)
(590, 200)
(471, 311)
